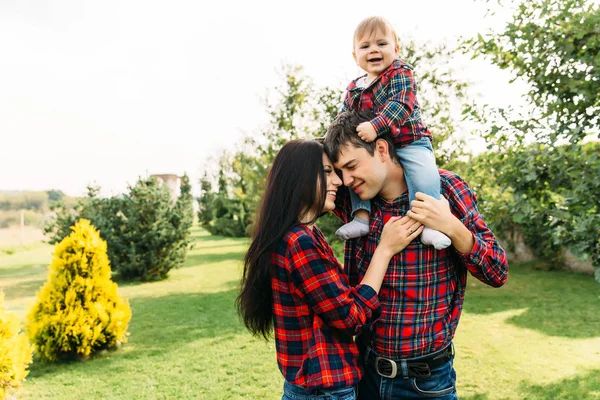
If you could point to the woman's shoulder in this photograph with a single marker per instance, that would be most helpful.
(298, 233)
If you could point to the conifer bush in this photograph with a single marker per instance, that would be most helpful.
(15, 352)
(78, 311)
(147, 233)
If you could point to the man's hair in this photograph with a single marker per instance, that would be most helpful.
(371, 25)
(342, 132)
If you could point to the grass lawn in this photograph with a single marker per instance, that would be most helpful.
(538, 337)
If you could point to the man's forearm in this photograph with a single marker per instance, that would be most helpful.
(461, 237)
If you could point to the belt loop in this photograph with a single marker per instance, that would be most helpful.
(404, 367)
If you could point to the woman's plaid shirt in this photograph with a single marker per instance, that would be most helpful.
(423, 290)
(316, 313)
(393, 97)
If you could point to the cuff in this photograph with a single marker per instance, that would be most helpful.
(474, 256)
(380, 125)
(368, 295)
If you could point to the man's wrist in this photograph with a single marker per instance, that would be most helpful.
(461, 237)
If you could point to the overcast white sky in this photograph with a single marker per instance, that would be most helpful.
(106, 91)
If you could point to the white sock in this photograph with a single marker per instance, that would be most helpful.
(435, 238)
(356, 228)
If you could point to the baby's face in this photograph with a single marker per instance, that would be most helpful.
(375, 52)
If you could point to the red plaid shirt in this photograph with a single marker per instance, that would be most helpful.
(316, 312)
(393, 97)
(422, 293)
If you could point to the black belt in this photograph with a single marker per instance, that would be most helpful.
(419, 368)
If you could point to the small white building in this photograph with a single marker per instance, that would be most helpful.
(173, 183)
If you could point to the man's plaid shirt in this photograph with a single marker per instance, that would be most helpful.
(423, 291)
(393, 97)
(316, 312)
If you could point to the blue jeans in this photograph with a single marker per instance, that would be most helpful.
(295, 392)
(420, 172)
(440, 385)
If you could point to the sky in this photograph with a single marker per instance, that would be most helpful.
(103, 92)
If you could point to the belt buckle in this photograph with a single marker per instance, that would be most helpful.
(394, 372)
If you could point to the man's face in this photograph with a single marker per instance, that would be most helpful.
(363, 173)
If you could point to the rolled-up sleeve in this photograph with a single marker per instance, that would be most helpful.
(487, 260)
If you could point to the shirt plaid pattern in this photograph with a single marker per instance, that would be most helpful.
(423, 291)
(316, 313)
(393, 97)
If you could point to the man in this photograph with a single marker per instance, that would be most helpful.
(409, 354)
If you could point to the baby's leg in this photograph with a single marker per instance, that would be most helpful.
(359, 226)
(422, 175)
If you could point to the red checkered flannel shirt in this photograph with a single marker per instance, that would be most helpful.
(423, 290)
(393, 97)
(316, 313)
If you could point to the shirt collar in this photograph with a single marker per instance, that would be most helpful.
(398, 201)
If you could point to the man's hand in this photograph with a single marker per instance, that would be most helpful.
(366, 131)
(432, 213)
(436, 214)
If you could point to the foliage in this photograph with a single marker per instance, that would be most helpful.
(15, 351)
(154, 237)
(147, 234)
(558, 213)
(205, 201)
(301, 109)
(542, 171)
(554, 46)
(78, 311)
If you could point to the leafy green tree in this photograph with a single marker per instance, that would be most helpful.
(538, 161)
(55, 195)
(301, 109)
(554, 46)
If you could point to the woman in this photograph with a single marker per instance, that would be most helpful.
(293, 282)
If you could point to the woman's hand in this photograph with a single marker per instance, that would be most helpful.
(398, 232)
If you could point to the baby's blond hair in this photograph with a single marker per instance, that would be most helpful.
(371, 25)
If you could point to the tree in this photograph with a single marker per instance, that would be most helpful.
(147, 234)
(554, 45)
(205, 201)
(300, 109)
(539, 159)
(78, 311)
(15, 351)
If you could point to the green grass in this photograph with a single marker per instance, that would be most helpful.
(536, 338)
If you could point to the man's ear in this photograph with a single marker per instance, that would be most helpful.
(382, 149)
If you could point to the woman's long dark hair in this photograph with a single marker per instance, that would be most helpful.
(296, 187)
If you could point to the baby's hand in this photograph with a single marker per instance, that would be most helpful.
(366, 132)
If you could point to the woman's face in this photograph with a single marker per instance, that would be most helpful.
(333, 182)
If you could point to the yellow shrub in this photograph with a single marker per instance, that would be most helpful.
(78, 310)
(15, 351)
